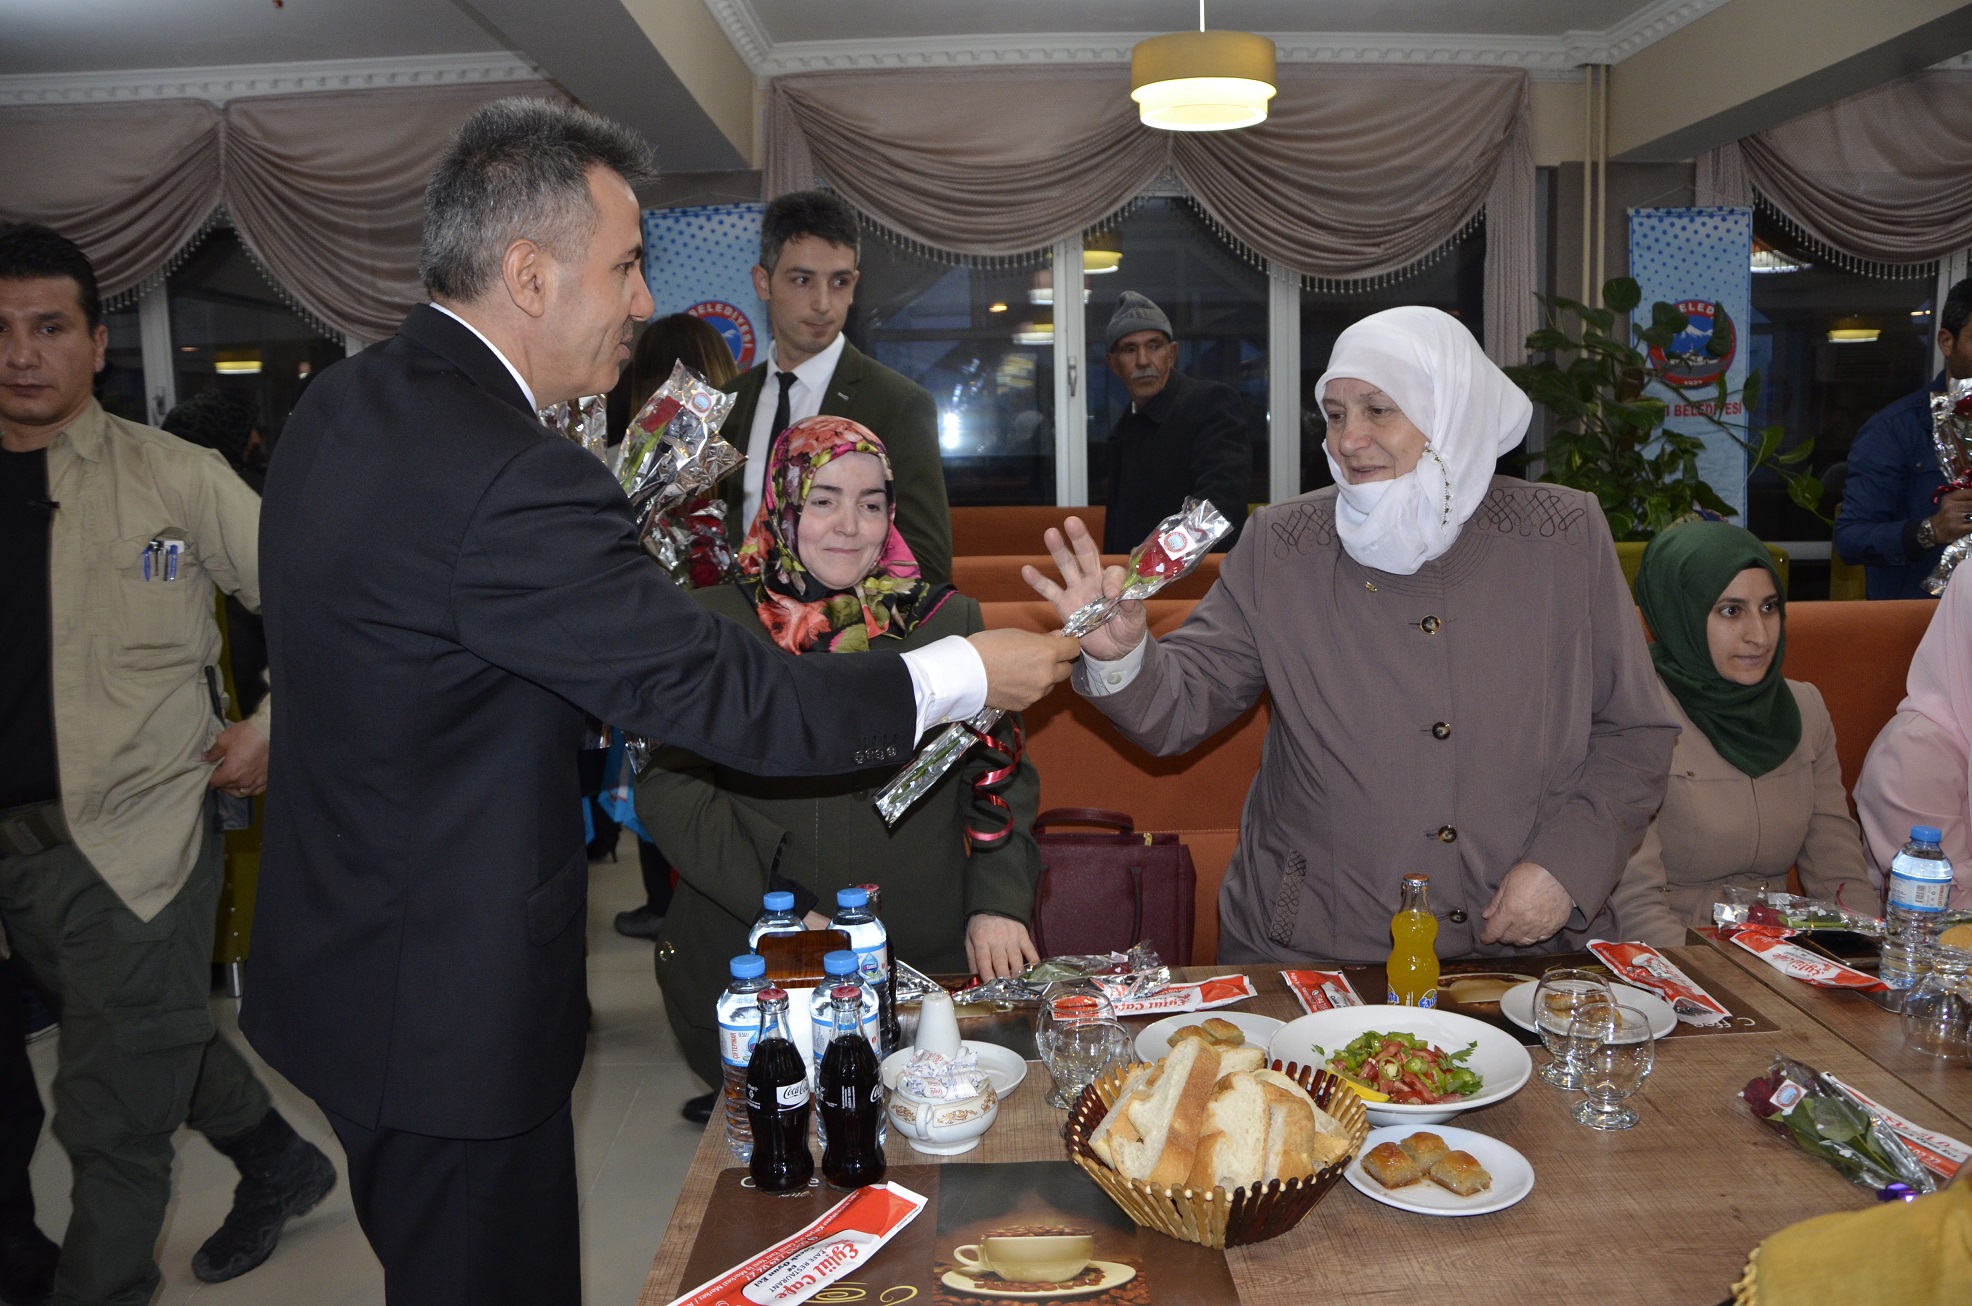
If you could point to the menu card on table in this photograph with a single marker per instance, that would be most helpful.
(984, 1225)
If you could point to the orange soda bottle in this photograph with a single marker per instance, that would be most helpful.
(1413, 965)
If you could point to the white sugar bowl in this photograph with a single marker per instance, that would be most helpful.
(943, 1128)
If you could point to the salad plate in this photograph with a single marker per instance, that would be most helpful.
(1513, 1177)
(1517, 1005)
(1499, 1060)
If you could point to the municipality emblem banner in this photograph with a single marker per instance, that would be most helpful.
(700, 261)
(1700, 261)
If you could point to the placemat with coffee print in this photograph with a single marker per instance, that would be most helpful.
(1472, 987)
(986, 1208)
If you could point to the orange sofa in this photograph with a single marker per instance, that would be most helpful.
(1855, 653)
(1015, 529)
(995, 577)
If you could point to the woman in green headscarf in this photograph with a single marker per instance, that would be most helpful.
(1756, 786)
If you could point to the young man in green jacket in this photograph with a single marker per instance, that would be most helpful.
(809, 250)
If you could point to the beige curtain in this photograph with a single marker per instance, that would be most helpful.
(1357, 173)
(130, 183)
(326, 190)
(1884, 177)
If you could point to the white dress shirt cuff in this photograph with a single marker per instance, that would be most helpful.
(1100, 679)
(948, 678)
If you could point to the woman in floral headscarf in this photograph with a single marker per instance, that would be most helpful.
(824, 571)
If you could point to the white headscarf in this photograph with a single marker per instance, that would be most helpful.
(1469, 411)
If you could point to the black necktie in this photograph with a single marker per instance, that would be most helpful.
(780, 408)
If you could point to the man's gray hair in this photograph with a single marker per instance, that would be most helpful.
(519, 169)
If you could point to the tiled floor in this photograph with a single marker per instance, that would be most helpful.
(631, 1148)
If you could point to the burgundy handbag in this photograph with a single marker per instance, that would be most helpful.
(1102, 892)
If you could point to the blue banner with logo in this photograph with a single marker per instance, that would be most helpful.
(1700, 261)
(700, 261)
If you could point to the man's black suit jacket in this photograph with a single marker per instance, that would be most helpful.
(449, 587)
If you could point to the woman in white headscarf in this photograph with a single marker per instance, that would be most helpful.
(1459, 681)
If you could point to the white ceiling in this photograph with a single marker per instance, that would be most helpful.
(59, 36)
(825, 20)
(1548, 37)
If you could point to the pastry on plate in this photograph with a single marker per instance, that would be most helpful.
(1391, 1166)
(1460, 1173)
(1426, 1149)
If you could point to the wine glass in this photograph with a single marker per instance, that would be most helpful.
(1078, 1036)
(1614, 1051)
(1561, 993)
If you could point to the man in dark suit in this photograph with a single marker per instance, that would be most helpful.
(809, 248)
(1183, 436)
(449, 587)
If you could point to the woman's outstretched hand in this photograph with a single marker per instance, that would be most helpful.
(1083, 581)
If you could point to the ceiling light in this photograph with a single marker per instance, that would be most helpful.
(1202, 81)
(237, 362)
(1772, 260)
(1035, 333)
(996, 307)
(1853, 336)
(1095, 262)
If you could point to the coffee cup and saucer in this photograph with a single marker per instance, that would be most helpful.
(1034, 1267)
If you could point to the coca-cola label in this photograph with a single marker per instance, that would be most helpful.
(786, 1096)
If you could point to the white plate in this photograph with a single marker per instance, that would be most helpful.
(1513, 1178)
(1502, 1064)
(1154, 1040)
(1517, 1005)
(1003, 1066)
(1114, 1275)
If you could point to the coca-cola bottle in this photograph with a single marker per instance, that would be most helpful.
(777, 1103)
(851, 1087)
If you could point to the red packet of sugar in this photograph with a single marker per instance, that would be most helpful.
(1321, 990)
(1201, 995)
(1644, 966)
(801, 1265)
(1770, 945)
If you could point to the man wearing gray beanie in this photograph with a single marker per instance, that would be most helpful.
(1183, 436)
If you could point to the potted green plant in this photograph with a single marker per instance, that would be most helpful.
(1595, 375)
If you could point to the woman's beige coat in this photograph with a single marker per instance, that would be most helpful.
(1719, 826)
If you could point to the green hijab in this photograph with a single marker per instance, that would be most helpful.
(1684, 570)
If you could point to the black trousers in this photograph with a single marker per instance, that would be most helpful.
(469, 1221)
(20, 1104)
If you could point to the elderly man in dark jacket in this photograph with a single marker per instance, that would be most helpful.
(1183, 436)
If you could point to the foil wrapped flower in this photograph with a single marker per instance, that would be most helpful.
(1951, 436)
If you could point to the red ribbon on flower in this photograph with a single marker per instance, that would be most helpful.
(985, 785)
(1962, 481)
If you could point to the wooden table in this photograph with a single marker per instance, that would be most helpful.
(1664, 1212)
(1858, 1020)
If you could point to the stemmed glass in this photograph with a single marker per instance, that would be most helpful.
(1562, 992)
(1078, 1036)
(1615, 1051)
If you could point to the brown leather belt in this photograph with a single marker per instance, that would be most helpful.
(25, 831)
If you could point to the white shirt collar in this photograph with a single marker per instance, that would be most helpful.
(815, 373)
(505, 362)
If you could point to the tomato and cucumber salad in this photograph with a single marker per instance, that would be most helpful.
(1409, 1070)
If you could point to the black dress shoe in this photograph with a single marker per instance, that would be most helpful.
(639, 922)
(27, 1266)
(699, 1109)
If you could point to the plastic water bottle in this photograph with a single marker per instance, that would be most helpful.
(841, 968)
(1920, 885)
(739, 1027)
(776, 917)
(871, 945)
(893, 1033)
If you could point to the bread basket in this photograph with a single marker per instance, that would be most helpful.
(1215, 1217)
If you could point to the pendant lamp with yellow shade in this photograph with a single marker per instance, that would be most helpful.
(1203, 81)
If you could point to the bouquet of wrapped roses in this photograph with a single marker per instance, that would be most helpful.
(1173, 550)
(1823, 1118)
(672, 457)
(585, 421)
(1951, 436)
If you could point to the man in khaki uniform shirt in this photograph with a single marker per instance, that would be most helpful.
(115, 536)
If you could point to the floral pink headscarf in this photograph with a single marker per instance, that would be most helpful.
(798, 611)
